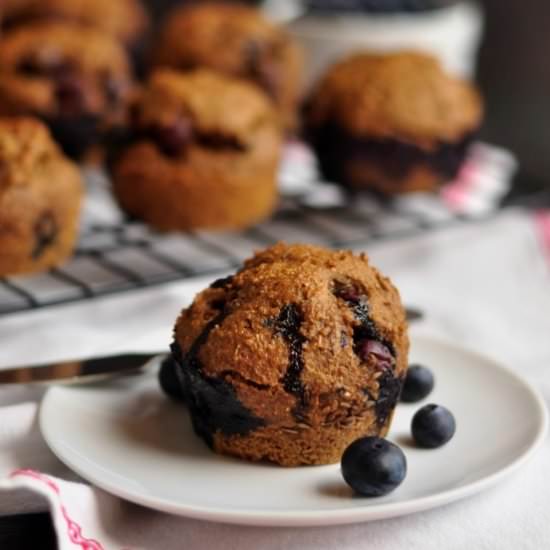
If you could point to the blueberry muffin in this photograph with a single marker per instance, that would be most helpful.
(391, 123)
(235, 40)
(40, 195)
(202, 152)
(294, 357)
(77, 79)
(125, 20)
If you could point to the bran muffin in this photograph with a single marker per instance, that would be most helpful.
(75, 78)
(126, 20)
(40, 196)
(297, 355)
(391, 123)
(202, 152)
(236, 40)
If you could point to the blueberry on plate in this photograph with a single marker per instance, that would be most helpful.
(418, 384)
(373, 466)
(168, 379)
(433, 426)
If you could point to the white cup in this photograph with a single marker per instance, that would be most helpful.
(453, 34)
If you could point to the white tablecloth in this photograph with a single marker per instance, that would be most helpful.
(485, 286)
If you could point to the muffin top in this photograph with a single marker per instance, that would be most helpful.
(230, 38)
(402, 96)
(25, 146)
(327, 304)
(201, 108)
(54, 68)
(124, 19)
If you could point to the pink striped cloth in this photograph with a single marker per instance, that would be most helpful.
(485, 177)
(542, 220)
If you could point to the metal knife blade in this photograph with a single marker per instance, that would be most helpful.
(414, 314)
(77, 371)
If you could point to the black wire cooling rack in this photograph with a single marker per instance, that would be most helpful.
(116, 255)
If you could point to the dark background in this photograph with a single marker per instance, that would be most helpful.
(514, 74)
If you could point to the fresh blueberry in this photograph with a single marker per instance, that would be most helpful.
(433, 426)
(169, 381)
(373, 466)
(418, 384)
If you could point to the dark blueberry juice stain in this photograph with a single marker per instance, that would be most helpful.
(395, 158)
(388, 395)
(70, 94)
(218, 141)
(368, 343)
(48, 63)
(45, 234)
(212, 402)
(287, 325)
(172, 139)
(222, 283)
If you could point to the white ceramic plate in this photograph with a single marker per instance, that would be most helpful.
(126, 438)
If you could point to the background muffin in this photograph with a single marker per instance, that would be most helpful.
(126, 20)
(203, 151)
(236, 40)
(75, 78)
(391, 123)
(40, 195)
(300, 353)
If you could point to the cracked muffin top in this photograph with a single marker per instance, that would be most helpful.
(403, 96)
(124, 19)
(299, 353)
(25, 147)
(202, 109)
(236, 40)
(58, 68)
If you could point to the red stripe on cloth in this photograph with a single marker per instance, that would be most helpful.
(542, 221)
(456, 193)
(74, 530)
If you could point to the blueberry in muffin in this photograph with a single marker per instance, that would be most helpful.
(301, 352)
(235, 40)
(40, 196)
(75, 78)
(391, 123)
(202, 152)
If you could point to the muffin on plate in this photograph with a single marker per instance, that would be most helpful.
(125, 20)
(202, 152)
(392, 123)
(40, 196)
(235, 40)
(294, 357)
(75, 78)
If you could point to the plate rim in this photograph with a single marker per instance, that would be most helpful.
(309, 518)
